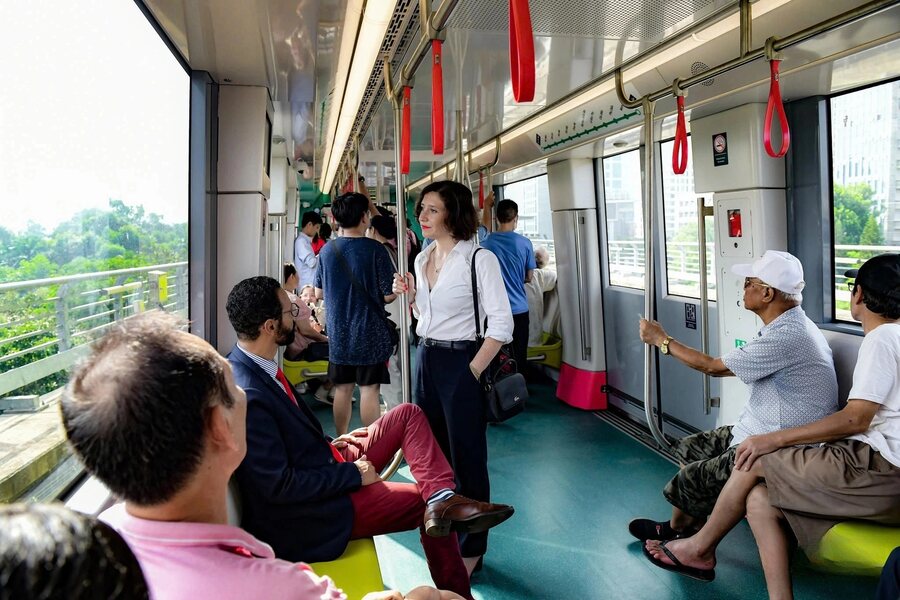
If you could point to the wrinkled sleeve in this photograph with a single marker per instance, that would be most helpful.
(492, 297)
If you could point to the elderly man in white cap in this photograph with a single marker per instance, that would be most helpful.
(789, 370)
(800, 481)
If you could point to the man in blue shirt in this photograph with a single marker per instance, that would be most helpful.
(516, 256)
(355, 277)
(305, 260)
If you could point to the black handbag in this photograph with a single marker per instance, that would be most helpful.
(393, 332)
(505, 391)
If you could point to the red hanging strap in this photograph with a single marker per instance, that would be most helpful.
(680, 149)
(480, 189)
(437, 98)
(404, 131)
(521, 51)
(775, 102)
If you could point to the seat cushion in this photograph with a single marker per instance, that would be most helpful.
(356, 571)
(856, 548)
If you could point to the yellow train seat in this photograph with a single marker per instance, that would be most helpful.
(356, 571)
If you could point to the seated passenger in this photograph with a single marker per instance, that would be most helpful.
(308, 344)
(309, 496)
(49, 551)
(788, 368)
(543, 279)
(154, 413)
(855, 474)
(316, 307)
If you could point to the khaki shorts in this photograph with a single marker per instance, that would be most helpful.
(707, 460)
(819, 486)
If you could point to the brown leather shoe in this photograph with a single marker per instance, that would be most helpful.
(463, 515)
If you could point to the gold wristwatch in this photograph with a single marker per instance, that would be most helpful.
(664, 347)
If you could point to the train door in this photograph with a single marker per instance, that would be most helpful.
(685, 403)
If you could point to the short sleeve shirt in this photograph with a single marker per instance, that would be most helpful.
(516, 255)
(790, 372)
(357, 334)
(877, 379)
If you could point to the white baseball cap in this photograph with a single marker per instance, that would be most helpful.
(779, 269)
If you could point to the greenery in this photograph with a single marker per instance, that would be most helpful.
(94, 240)
(855, 217)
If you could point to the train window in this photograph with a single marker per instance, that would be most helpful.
(535, 223)
(682, 247)
(94, 185)
(865, 182)
(624, 219)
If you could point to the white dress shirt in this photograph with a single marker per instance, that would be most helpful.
(446, 312)
(305, 260)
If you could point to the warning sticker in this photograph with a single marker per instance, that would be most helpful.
(720, 149)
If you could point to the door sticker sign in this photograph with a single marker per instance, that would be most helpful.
(720, 149)
(690, 315)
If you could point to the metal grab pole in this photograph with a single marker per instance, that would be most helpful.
(402, 266)
(647, 106)
(702, 212)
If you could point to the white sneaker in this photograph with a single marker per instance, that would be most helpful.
(323, 396)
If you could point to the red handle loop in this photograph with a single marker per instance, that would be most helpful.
(437, 98)
(680, 150)
(521, 51)
(480, 189)
(404, 131)
(776, 103)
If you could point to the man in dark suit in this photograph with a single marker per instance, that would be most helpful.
(308, 496)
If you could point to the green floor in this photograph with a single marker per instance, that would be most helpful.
(576, 482)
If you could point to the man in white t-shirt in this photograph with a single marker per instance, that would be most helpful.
(853, 474)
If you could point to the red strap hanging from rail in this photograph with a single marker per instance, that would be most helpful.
(437, 98)
(480, 189)
(521, 51)
(776, 103)
(404, 131)
(680, 149)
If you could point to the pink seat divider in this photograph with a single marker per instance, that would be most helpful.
(580, 388)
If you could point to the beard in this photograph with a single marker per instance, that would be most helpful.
(286, 335)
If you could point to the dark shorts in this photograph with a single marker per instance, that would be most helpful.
(359, 374)
(707, 461)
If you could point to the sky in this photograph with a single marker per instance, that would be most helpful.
(93, 106)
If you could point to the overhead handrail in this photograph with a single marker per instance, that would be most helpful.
(775, 103)
(680, 148)
(521, 51)
(437, 98)
(405, 130)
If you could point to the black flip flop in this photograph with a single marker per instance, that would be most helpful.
(706, 575)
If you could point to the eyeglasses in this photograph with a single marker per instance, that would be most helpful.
(748, 282)
(295, 310)
(851, 285)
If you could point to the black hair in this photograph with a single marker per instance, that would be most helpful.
(251, 303)
(135, 411)
(880, 304)
(461, 221)
(288, 271)
(310, 217)
(348, 209)
(48, 551)
(385, 226)
(507, 211)
(324, 232)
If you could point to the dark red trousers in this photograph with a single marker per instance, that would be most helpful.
(388, 507)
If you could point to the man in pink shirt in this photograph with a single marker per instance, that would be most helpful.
(155, 414)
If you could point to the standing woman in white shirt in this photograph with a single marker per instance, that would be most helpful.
(448, 365)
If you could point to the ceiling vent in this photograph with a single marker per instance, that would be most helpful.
(699, 67)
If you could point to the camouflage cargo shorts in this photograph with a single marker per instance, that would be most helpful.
(707, 462)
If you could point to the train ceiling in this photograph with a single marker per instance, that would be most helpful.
(292, 48)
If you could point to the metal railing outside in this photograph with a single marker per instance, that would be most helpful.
(46, 325)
